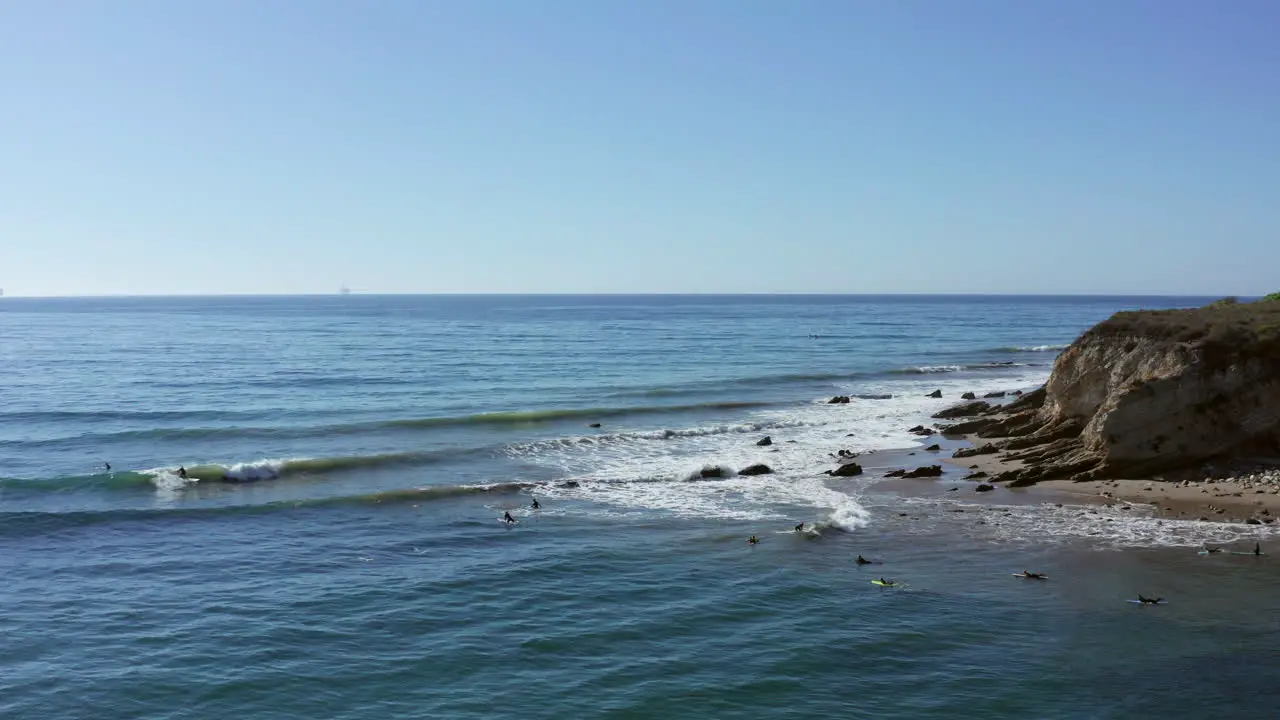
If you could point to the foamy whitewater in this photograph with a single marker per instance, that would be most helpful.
(302, 517)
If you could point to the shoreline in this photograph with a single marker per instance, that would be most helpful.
(1248, 498)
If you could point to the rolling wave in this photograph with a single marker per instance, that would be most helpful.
(1031, 349)
(20, 523)
(509, 419)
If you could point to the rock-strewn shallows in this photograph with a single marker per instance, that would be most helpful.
(1149, 392)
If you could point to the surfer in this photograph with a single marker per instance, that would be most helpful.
(1257, 549)
(1209, 551)
(506, 518)
(753, 540)
(536, 505)
(107, 466)
(1032, 576)
(1149, 601)
(888, 583)
(800, 527)
(182, 472)
(862, 561)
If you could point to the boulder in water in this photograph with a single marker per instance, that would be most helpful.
(924, 472)
(757, 469)
(712, 472)
(933, 448)
(896, 473)
(995, 394)
(594, 425)
(965, 410)
(987, 449)
(935, 394)
(968, 396)
(766, 441)
(839, 400)
(983, 487)
(846, 470)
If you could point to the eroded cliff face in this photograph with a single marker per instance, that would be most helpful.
(1128, 406)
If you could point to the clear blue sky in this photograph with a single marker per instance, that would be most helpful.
(266, 146)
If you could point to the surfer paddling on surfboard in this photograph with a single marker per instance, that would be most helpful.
(506, 518)
(1149, 601)
(862, 561)
(753, 540)
(536, 505)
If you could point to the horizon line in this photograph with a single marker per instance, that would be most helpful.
(119, 296)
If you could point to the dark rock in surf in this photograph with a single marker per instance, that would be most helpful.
(983, 487)
(895, 473)
(924, 472)
(933, 448)
(968, 396)
(987, 449)
(996, 394)
(975, 475)
(569, 484)
(712, 472)
(594, 425)
(966, 410)
(935, 394)
(846, 470)
(839, 400)
(1016, 392)
(757, 469)
(766, 441)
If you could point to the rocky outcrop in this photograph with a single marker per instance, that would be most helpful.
(968, 396)
(966, 410)
(846, 470)
(926, 471)
(839, 400)
(1151, 392)
(987, 449)
(757, 469)
(766, 441)
(935, 394)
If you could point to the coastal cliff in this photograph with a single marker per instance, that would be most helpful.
(1148, 392)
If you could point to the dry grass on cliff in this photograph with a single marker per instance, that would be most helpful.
(1225, 328)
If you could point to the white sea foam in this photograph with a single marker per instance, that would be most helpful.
(1108, 527)
(661, 470)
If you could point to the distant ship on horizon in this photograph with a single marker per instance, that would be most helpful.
(344, 290)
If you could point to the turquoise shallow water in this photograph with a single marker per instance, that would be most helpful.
(355, 568)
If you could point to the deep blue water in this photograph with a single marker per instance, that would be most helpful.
(336, 550)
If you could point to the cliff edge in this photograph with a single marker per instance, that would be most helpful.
(1149, 392)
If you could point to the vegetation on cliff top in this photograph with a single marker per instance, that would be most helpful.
(1225, 327)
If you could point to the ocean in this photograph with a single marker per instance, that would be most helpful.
(335, 549)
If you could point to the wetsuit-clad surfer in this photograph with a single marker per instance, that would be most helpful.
(536, 505)
(107, 466)
(862, 561)
(1257, 549)
(506, 518)
(752, 540)
(1149, 601)
(887, 583)
(1032, 576)
(182, 473)
(800, 527)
